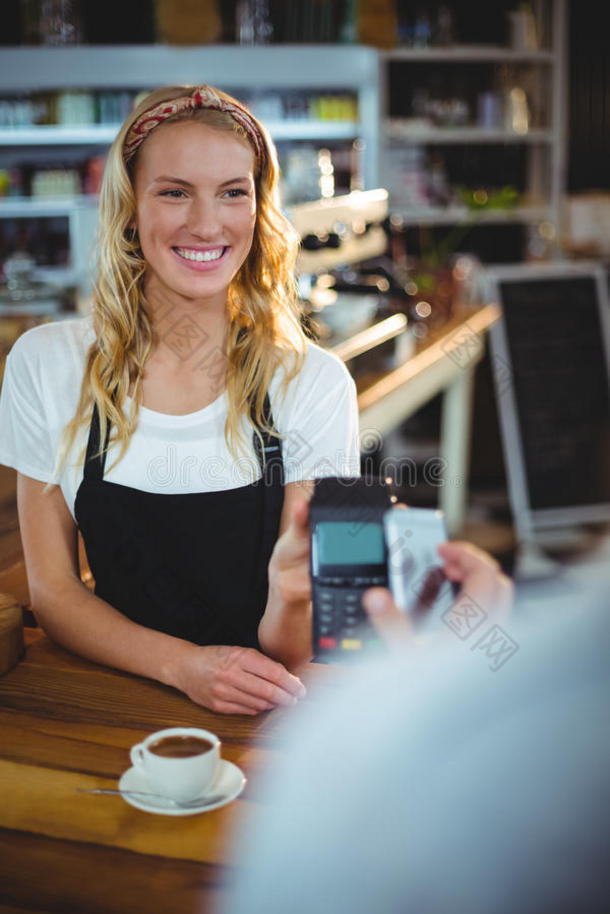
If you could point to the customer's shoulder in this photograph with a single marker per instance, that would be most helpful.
(54, 341)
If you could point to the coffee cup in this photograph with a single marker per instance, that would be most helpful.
(180, 762)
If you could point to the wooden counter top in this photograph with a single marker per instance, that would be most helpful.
(66, 723)
(386, 398)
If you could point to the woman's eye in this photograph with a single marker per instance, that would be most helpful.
(175, 193)
(236, 192)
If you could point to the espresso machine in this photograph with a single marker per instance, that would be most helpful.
(352, 302)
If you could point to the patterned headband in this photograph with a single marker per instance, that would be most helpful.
(202, 97)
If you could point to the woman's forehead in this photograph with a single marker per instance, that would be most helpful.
(197, 147)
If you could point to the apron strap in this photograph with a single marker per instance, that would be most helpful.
(269, 452)
(94, 466)
(269, 455)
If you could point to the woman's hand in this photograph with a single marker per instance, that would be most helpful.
(481, 580)
(285, 629)
(289, 576)
(235, 680)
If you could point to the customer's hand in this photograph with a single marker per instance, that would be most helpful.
(480, 576)
(236, 680)
(481, 580)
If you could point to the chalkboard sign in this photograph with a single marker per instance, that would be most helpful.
(551, 360)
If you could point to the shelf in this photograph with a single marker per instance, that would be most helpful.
(396, 130)
(32, 207)
(104, 134)
(312, 130)
(452, 215)
(475, 53)
(27, 309)
(239, 69)
(58, 135)
(534, 160)
(231, 66)
(63, 276)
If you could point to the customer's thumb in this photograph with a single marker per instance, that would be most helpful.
(390, 623)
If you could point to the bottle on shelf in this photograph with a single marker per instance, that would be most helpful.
(422, 30)
(76, 108)
(348, 32)
(21, 290)
(489, 110)
(523, 36)
(444, 29)
(51, 22)
(253, 23)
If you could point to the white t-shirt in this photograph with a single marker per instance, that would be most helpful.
(170, 454)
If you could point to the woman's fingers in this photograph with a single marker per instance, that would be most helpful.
(231, 707)
(297, 534)
(256, 681)
(289, 577)
(239, 680)
(292, 547)
(300, 516)
(254, 692)
(273, 674)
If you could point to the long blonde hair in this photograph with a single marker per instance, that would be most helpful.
(264, 330)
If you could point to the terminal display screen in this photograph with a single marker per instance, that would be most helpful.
(349, 543)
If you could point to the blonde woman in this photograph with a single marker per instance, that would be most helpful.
(177, 426)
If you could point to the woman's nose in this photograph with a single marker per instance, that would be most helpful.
(203, 218)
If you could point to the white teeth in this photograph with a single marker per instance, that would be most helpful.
(200, 256)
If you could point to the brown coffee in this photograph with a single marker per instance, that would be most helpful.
(180, 746)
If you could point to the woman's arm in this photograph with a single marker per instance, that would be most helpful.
(320, 418)
(284, 632)
(225, 679)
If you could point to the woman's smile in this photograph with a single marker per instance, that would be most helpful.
(202, 258)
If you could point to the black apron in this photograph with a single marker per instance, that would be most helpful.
(190, 565)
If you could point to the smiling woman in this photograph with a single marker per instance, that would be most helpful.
(194, 351)
(195, 216)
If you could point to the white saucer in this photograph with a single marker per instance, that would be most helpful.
(229, 783)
